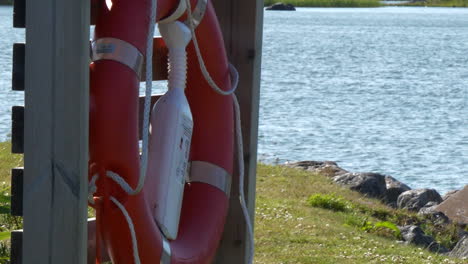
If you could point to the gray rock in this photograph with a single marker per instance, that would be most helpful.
(414, 200)
(414, 235)
(461, 232)
(327, 168)
(438, 248)
(428, 208)
(461, 249)
(394, 189)
(456, 207)
(449, 194)
(430, 211)
(281, 7)
(369, 184)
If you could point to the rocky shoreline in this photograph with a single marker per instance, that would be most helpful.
(447, 209)
(281, 7)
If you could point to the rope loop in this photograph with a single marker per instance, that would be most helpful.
(92, 188)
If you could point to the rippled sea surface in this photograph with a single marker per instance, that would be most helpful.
(8, 98)
(382, 90)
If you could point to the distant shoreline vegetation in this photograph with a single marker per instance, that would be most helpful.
(327, 3)
(6, 2)
(368, 3)
(438, 3)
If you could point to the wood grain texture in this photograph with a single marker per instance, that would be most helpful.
(242, 22)
(56, 131)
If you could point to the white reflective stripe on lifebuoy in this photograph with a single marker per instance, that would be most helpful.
(177, 13)
(205, 172)
(198, 13)
(166, 252)
(117, 50)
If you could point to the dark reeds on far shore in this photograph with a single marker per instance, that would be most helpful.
(439, 3)
(6, 2)
(327, 3)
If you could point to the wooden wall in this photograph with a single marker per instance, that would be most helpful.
(242, 25)
(56, 125)
(56, 131)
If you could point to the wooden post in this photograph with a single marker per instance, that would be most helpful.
(56, 131)
(242, 23)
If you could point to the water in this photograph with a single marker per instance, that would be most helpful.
(381, 90)
(8, 98)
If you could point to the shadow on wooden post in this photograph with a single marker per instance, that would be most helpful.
(242, 23)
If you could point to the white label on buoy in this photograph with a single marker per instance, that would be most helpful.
(172, 126)
(184, 148)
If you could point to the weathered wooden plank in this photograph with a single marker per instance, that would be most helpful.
(17, 129)
(242, 22)
(18, 67)
(37, 179)
(17, 192)
(19, 13)
(56, 131)
(16, 250)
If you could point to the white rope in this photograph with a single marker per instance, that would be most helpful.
(131, 227)
(240, 149)
(201, 62)
(146, 112)
(144, 160)
(240, 159)
(92, 188)
(149, 87)
(144, 156)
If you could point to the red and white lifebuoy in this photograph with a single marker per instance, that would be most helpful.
(118, 50)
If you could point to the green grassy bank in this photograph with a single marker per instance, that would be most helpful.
(7, 222)
(440, 3)
(301, 217)
(327, 3)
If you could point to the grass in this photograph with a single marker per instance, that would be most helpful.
(303, 217)
(327, 3)
(440, 3)
(8, 161)
(7, 222)
(329, 201)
